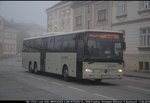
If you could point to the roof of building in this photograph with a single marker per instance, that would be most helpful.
(7, 24)
(59, 3)
(76, 4)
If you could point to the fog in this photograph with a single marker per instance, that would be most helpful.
(26, 11)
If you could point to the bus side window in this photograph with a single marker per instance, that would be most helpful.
(25, 46)
(39, 44)
(51, 44)
(72, 40)
(44, 43)
(65, 44)
(58, 43)
(30, 45)
(69, 43)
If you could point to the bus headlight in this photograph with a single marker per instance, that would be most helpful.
(120, 70)
(89, 70)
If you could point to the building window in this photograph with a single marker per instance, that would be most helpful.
(49, 19)
(146, 5)
(55, 29)
(145, 37)
(62, 19)
(88, 24)
(78, 20)
(88, 9)
(122, 8)
(68, 18)
(68, 13)
(101, 15)
(140, 65)
(144, 66)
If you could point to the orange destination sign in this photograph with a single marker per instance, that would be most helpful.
(106, 36)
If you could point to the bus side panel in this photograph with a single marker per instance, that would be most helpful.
(30, 56)
(56, 61)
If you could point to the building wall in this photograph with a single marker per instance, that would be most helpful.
(59, 18)
(78, 12)
(65, 21)
(132, 12)
(88, 9)
(133, 20)
(104, 24)
(8, 40)
(1, 28)
(130, 19)
(89, 20)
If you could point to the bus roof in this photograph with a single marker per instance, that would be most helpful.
(67, 33)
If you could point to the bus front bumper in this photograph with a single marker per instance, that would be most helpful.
(102, 76)
(111, 76)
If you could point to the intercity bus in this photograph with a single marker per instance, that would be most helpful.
(86, 54)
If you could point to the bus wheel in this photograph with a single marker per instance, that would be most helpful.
(65, 73)
(35, 68)
(30, 67)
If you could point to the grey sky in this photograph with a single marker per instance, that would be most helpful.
(26, 11)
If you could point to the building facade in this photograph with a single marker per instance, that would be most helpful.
(91, 15)
(59, 17)
(130, 17)
(7, 39)
(133, 18)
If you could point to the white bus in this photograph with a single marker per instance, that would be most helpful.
(87, 54)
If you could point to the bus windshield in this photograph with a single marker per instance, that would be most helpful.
(104, 46)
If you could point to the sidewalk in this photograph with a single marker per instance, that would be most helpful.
(137, 74)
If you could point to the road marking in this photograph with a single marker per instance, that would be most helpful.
(31, 76)
(57, 83)
(41, 79)
(139, 88)
(36, 78)
(81, 90)
(104, 96)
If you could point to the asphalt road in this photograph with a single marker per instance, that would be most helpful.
(16, 83)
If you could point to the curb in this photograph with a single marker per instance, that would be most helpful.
(137, 76)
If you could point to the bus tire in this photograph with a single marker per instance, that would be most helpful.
(35, 68)
(65, 73)
(30, 67)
